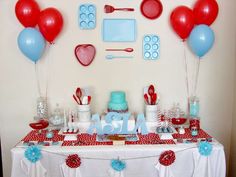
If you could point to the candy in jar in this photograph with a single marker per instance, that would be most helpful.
(42, 107)
(194, 106)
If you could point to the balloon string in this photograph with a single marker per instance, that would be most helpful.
(37, 79)
(48, 70)
(196, 76)
(186, 70)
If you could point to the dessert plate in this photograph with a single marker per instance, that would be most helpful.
(119, 30)
(151, 9)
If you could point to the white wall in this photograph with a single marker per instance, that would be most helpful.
(18, 85)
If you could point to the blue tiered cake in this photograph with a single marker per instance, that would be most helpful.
(117, 102)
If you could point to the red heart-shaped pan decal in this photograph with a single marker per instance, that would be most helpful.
(85, 53)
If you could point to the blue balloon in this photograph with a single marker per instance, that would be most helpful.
(31, 43)
(201, 40)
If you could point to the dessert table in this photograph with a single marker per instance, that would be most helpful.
(141, 157)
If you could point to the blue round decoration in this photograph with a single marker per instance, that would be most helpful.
(49, 135)
(118, 165)
(33, 154)
(205, 148)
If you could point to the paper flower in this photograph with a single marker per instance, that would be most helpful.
(118, 165)
(33, 154)
(167, 158)
(73, 161)
(204, 148)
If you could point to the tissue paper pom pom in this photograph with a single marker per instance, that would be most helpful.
(204, 148)
(73, 161)
(167, 158)
(118, 165)
(33, 154)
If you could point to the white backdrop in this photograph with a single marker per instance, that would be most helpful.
(18, 91)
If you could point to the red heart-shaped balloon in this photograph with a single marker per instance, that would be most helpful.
(85, 53)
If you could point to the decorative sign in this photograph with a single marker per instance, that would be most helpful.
(117, 123)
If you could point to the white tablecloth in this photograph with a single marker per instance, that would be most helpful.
(188, 163)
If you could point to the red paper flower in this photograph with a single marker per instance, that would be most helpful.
(167, 158)
(73, 161)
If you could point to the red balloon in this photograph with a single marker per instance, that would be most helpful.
(182, 21)
(27, 12)
(50, 23)
(205, 11)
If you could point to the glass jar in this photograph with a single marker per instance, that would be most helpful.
(194, 106)
(57, 117)
(194, 122)
(194, 131)
(42, 108)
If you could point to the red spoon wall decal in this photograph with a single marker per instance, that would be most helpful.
(85, 53)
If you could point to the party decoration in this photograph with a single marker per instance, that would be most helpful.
(167, 158)
(50, 23)
(201, 40)
(117, 123)
(73, 161)
(85, 53)
(31, 43)
(50, 134)
(39, 125)
(182, 21)
(205, 148)
(205, 11)
(27, 12)
(33, 154)
(141, 125)
(118, 165)
(151, 9)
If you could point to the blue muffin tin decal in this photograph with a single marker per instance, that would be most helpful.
(87, 16)
(151, 47)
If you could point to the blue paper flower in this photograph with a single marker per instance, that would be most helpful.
(33, 154)
(204, 148)
(118, 165)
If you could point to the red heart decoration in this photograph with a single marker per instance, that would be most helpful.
(85, 53)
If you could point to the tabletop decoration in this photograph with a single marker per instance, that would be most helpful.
(57, 119)
(118, 165)
(167, 158)
(205, 148)
(39, 125)
(73, 161)
(50, 134)
(152, 108)
(117, 128)
(33, 153)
